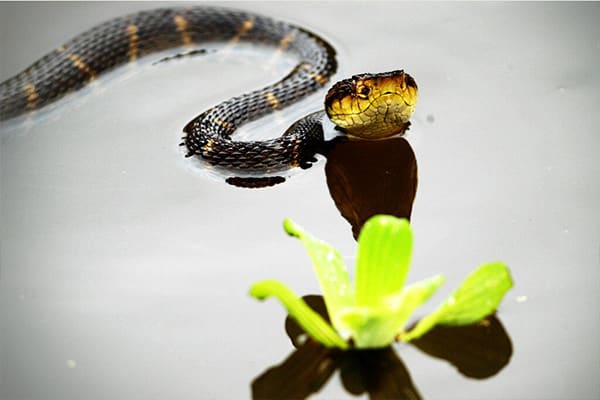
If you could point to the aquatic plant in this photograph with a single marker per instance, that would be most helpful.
(376, 310)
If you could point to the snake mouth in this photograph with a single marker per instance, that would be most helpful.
(372, 105)
(375, 102)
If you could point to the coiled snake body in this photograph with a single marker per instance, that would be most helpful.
(125, 39)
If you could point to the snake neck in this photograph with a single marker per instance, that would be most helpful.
(295, 148)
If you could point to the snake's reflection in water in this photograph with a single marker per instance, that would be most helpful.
(477, 351)
(364, 177)
(369, 177)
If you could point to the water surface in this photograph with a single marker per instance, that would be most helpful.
(125, 268)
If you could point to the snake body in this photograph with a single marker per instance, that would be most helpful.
(125, 39)
(371, 106)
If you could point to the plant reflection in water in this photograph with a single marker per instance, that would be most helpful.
(477, 351)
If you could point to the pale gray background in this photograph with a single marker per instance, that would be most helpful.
(124, 268)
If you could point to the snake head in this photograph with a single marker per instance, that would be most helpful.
(372, 106)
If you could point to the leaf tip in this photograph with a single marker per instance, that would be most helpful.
(500, 271)
(259, 290)
(438, 280)
(291, 228)
(384, 219)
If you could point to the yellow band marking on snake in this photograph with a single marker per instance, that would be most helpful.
(322, 80)
(286, 40)
(224, 124)
(208, 147)
(283, 45)
(32, 96)
(246, 26)
(296, 153)
(227, 125)
(272, 100)
(181, 25)
(132, 31)
(78, 62)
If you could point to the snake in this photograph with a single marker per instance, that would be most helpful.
(365, 105)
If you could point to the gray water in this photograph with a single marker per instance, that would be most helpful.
(124, 268)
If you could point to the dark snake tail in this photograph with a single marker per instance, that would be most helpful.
(125, 39)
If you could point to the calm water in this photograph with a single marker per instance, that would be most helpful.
(125, 268)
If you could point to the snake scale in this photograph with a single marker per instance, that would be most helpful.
(385, 101)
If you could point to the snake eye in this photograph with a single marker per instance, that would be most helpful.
(363, 92)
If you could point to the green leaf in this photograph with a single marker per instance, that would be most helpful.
(384, 250)
(330, 270)
(377, 326)
(477, 297)
(413, 296)
(312, 323)
(371, 327)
